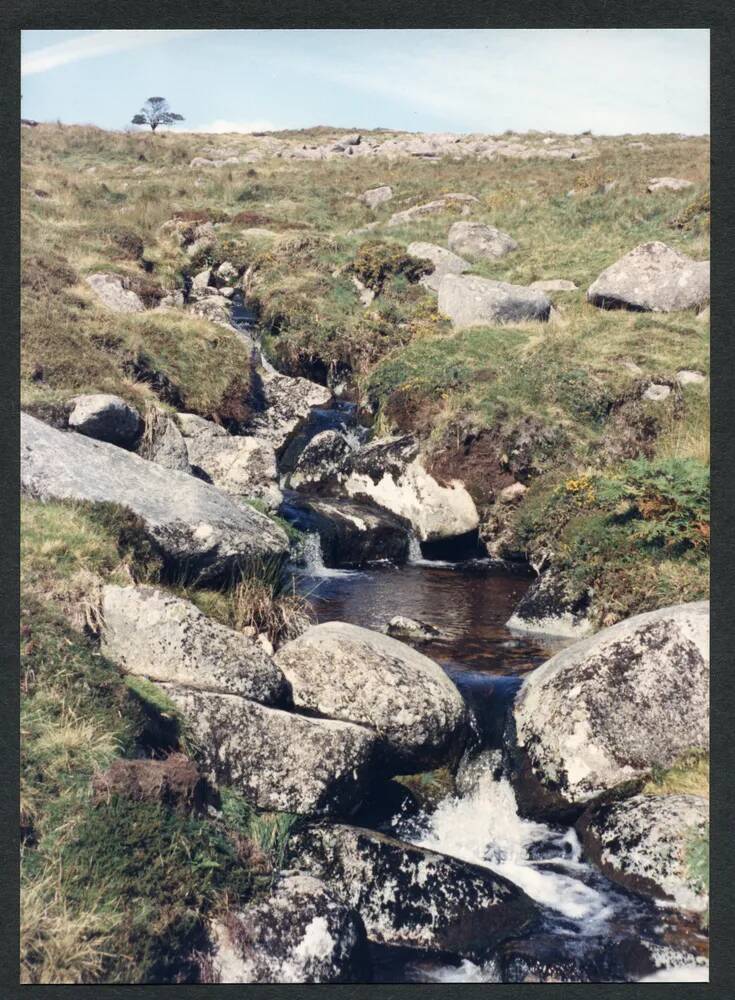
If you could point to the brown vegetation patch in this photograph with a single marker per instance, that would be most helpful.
(201, 215)
(240, 401)
(475, 458)
(175, 782)
(48, 273)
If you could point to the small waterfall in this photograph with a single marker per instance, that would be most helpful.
(313, 559)
(414, 550)
(483, 827)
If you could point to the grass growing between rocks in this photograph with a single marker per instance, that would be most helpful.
(113, 891)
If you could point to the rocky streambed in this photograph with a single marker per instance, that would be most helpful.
(469, 799)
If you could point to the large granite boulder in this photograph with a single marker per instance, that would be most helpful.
(470, 301)
(390, 472)
(151, 633)
(346, 672)
(444, 261)
(411, 897)
(301, 933)
(203, 534)
(243, 467)
(113, 292)
(278, 760)
(287, 405)
(644, 843)
(652, 278)
(476, 241)
(321, 462)
(605, 711)
(351, 534)
(106, 418)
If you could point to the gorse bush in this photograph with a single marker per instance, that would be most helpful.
(376, 262)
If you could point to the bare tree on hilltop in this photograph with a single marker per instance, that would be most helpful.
(156, 112)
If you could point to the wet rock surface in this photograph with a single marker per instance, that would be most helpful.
(411, 897)
(351, 534)
(644, 843)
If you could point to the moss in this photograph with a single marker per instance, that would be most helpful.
(429, 787)
(688, 776)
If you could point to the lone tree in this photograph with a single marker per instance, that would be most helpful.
(156, 112)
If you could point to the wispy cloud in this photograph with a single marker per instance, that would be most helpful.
(100, 43)
(221, 125)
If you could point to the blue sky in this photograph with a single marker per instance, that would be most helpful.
(610, 81)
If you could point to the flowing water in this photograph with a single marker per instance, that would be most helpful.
(590, 930)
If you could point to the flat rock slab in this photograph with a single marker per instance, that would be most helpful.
(112, 292)
(410, 897)
(609, 708)
(652, 278)
(470, 301)
(346, 672)
(444, 261)
(643, 842)
(278, 760)
(301, 933)
(203, 534)
(668, 184)
(151, 633)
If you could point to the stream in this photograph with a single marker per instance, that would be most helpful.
(591, 930)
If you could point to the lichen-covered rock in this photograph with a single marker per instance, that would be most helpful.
(278, 760)
(301, 933)
(288, 403)
(346, 672)
(446, 201)
(548, 609)
(321, 462)
(606, 710)
(476, 241)
(643, 843)
(411, 897)
(243, 467)
(377, 196)
(391, 473)
(151, 633)
(351, 534)
(652, 278)
(105, 417)
(192, 426)
(215, 308)
(470, 301)
(163, 442)
(203, 534)
(444, 261)
(114, 294)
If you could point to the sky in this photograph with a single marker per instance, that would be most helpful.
(612, 81)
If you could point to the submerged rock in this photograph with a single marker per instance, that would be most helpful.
(606, 710)
(151, 633)
(476, 241)
(410, 630)
(652, 278)
(106, 418)
(301, 933)
(391, 473)
(411, 897)
(203, 534)
(471, 301)
(643, 844)
(351, 534)
(278, 760)
(350, 673)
